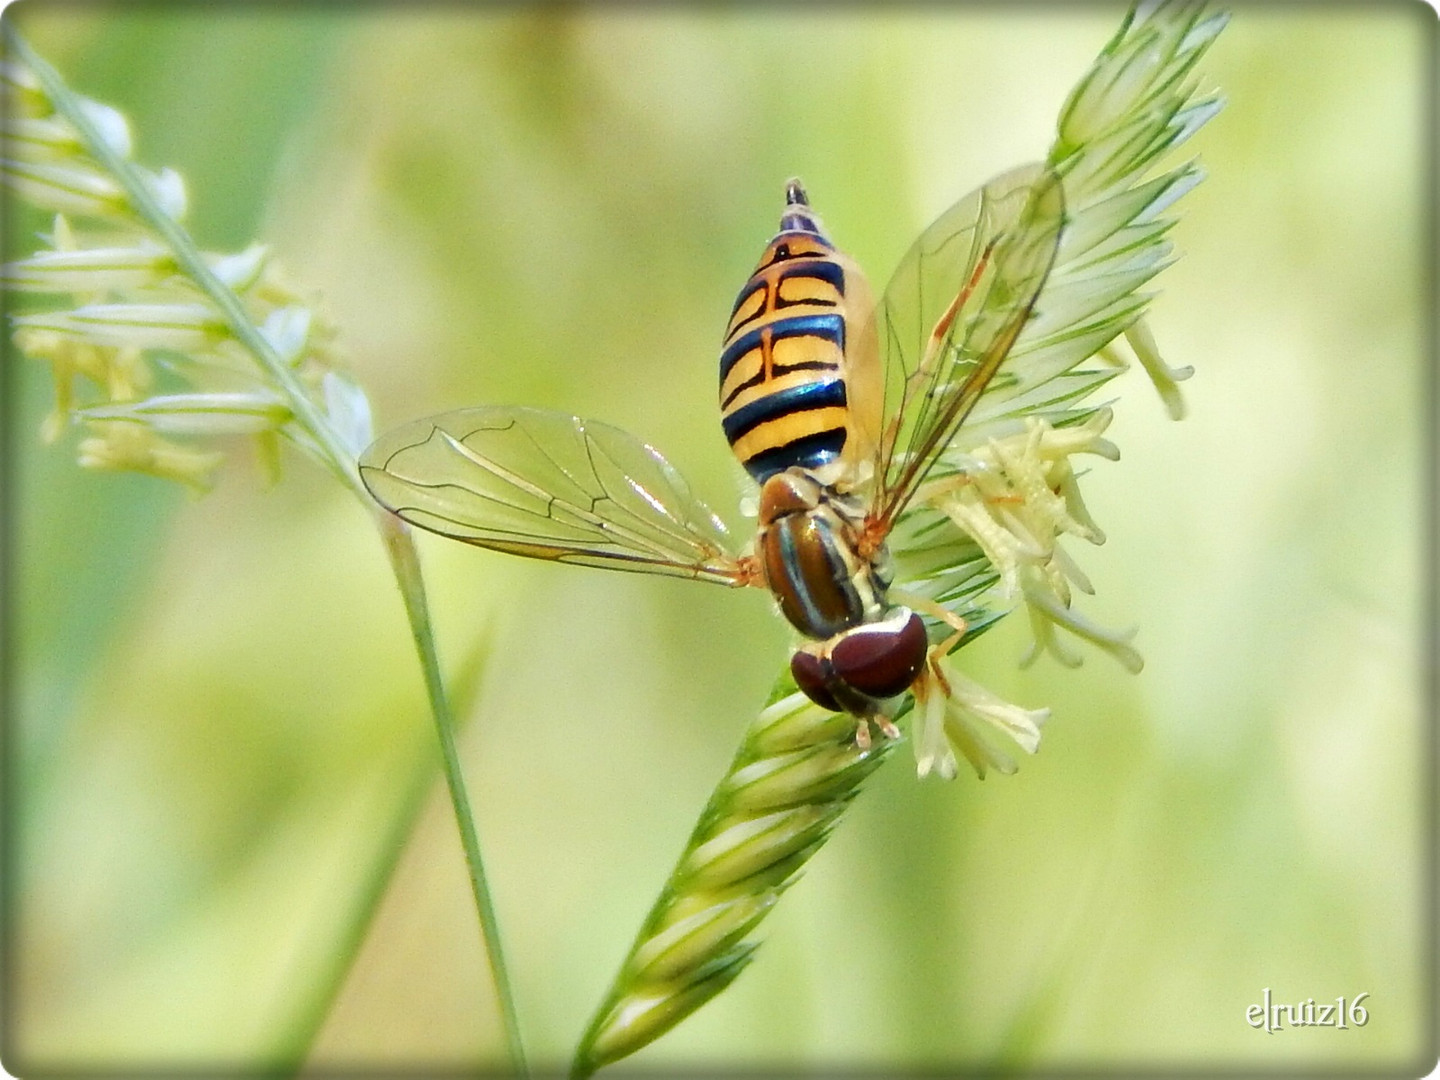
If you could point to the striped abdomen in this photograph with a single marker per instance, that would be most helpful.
(787, 368)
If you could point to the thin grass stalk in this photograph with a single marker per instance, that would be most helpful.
(339, 456)
(400, 544)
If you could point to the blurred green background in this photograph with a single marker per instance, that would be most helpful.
(217, 736)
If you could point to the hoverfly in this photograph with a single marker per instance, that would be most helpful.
(838, 408)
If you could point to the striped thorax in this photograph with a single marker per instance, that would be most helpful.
(808, 547)
(812, 554)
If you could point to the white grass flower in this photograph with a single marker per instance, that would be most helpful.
(137, 308)
(22, 91)
(246, 413)
(255, 356)
(1016, 501)
(956, 714)
(93, 270)
(252, 356)
(180, 327)
(72, 188)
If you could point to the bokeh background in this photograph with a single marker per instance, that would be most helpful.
(219, 759)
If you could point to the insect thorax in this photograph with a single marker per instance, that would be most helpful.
(810, 552)
(832, 587)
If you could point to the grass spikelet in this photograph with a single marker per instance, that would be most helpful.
(983, 535)
(251, 357)
(794, 774)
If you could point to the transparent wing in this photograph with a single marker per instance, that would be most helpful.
(950, 314)
(549, 486)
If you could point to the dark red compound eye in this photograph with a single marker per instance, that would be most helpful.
(810, 675)
(881, 659)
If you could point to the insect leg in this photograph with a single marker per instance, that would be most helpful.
(937, 335)
(942, 325)
(946, 485)
(945, 615)
(880, 720)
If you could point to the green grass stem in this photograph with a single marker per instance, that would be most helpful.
(341, 461)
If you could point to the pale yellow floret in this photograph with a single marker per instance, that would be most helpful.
(126, 447)
(956, 715)
(1016, 501)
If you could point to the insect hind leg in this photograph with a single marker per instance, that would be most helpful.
(915, 380)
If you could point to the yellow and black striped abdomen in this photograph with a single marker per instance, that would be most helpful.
(784, 398)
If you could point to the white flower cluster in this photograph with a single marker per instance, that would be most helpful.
(138, 320)
(1021, 498)
(1014, 495)
(1016, 498)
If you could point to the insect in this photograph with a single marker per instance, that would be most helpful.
(837, 406)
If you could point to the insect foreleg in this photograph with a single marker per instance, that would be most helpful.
(945, 615)
(880, 720)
